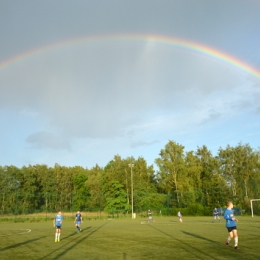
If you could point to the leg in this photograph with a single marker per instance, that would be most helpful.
(78, 227)
(56, 235)
(229, 237)
(59, 231)
(235, 237)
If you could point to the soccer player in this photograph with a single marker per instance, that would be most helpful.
(179, 216)
(78, 221)
(57, 222)
(215, 215)
(231, 224)
(150, 216)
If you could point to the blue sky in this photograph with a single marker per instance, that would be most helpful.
(83, 102)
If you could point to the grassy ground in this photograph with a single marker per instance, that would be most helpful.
(125, 239)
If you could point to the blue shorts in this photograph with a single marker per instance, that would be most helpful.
(78, 222)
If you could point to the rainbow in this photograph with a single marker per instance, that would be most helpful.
(176, 42)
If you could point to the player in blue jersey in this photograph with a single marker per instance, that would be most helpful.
(231, 224)
(57, 223)
(215, 215)
(78, 221)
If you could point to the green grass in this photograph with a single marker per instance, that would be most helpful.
(125, 239)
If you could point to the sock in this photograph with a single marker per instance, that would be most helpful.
(56, 235)
(236, 241)
(228, 239)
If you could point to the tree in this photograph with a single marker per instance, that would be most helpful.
(209, 168)
(94, 185)
(80, 191)
(171, 168)
(116, 198)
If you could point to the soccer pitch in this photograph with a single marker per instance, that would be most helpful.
(125, 239)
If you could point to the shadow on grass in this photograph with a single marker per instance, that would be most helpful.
(187, 245)
(249, 256)
(20, 244)
(75, 233)
(72, 246)
(203, 238)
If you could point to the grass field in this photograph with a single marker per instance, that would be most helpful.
(125, 239)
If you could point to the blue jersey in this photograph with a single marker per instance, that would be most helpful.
(58, 220)
(78, 217)
(228, 215)
(215, 212)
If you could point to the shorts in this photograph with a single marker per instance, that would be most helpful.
(231, 229)
(58, 227)
(78, 222)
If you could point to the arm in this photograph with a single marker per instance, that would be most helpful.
(229, 217)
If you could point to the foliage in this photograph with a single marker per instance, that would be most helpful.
(184, 180)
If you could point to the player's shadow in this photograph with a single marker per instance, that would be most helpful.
(75, 233)
(20, 244)
(185, 246)
(76, 242)
(200, 237)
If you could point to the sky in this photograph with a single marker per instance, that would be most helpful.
(82, 81)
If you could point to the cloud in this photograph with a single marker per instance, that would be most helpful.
(257, 111)
(212, 116)
(46, 140)
(117, 90)
(142, 143)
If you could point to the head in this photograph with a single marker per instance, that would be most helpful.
(59, 212)
(230, 204)
(78, 211)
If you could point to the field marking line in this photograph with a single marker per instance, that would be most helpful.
(28, 231)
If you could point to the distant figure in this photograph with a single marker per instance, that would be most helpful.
(57, 222)
(179, 216)
(150, 216)
(231, 224)
(215, 215)
(78, 221)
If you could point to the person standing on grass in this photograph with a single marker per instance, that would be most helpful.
(179, 216)
(215, 215)
(78, 221)
(150, 216)
(231, 224)
(57, 223)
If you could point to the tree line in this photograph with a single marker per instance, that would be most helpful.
(192, 180)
